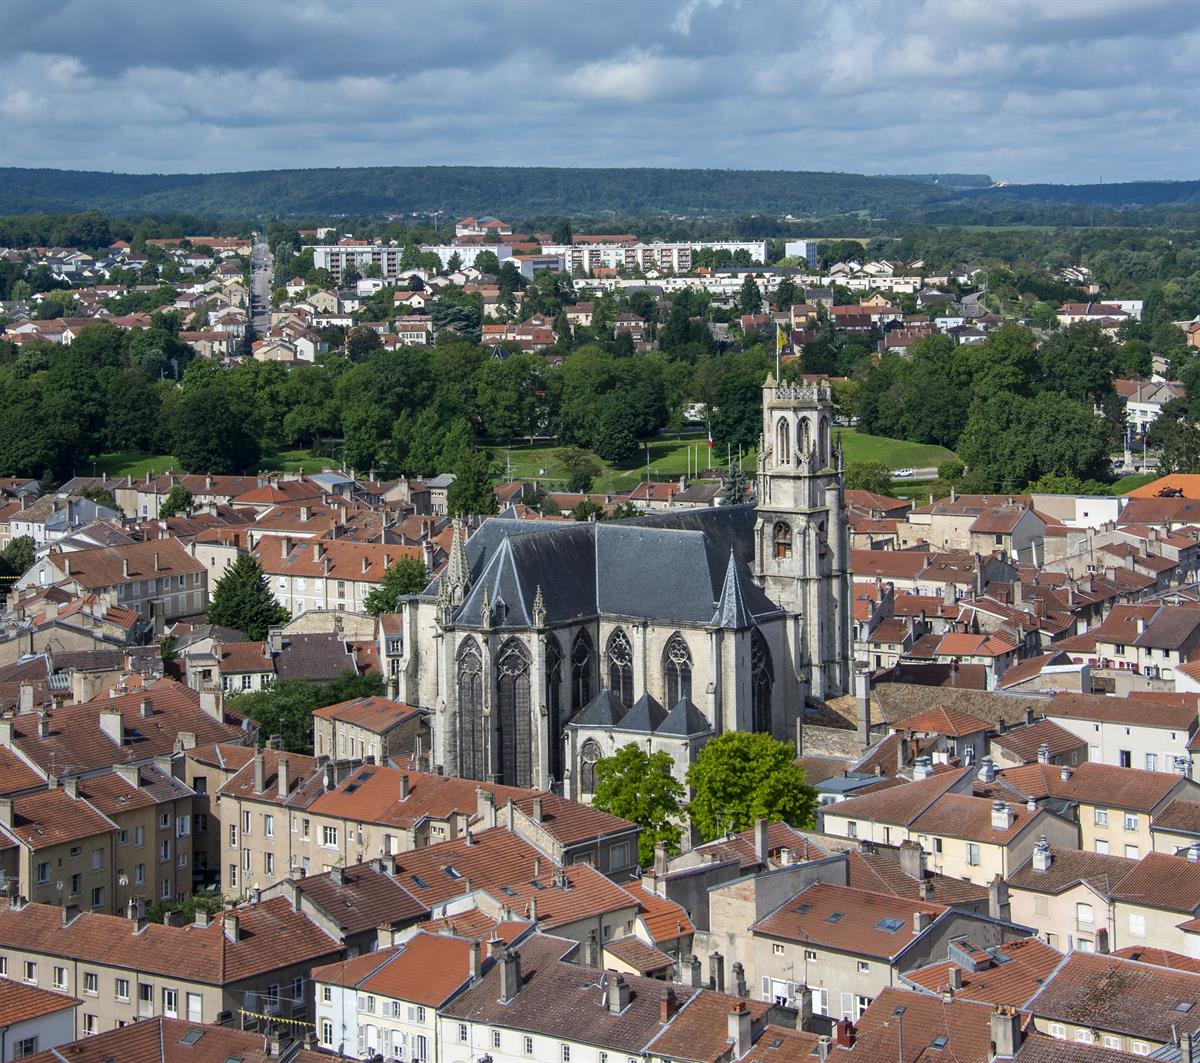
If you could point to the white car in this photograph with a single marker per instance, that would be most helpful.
(902, 473)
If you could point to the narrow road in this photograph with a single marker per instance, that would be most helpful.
(262, 269)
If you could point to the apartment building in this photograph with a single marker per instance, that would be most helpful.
(339, 259)
(1147, 733)
(1114, 807)
(372, 727)
(1114, 1003)
(206, 769)
(582, 258)
(158, 579)
(126, 727)
(1066, 895)
(34, 1019)
(1155, 902)
(284, 813)
(327, 574)
(225, 969)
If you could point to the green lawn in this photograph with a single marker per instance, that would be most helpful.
(669, 458)
(124, 463)
(1132, 481)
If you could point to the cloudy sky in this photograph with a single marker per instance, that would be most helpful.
(1029, 90)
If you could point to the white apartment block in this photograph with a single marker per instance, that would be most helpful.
(340, 258)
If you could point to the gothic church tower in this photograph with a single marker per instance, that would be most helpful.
(801, 547)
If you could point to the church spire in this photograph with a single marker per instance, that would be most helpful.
(732, 611)
(458, 572)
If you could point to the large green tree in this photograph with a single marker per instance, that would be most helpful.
(286, 708)
(179, 500)
(472, 493)
(743, 776)
(405, 576)
(213, 432)
(243, 600)
(638, 786)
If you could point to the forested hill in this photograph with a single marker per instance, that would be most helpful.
(525, 192)
(460, 190)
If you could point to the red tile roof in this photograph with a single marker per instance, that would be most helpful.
(1028, 963)
(20, 1003)
(427, 969)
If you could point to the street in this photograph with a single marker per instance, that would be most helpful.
(262, 268)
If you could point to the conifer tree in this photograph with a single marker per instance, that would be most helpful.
(243, 600)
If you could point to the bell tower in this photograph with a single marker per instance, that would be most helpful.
(801, 547)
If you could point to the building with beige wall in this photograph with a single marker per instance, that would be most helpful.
(370, 727)
(227, 969)
(1066, 895)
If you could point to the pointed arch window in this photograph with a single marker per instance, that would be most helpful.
(554, 673)
(762, 679)
(581, 671)
(803, 438)
(677, 665)
(471, 763)
(514, 723)
(589, 753)
(619, 655)
(823, 442)
(781, 536)
(783, 440)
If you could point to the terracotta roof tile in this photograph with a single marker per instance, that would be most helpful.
(1011, 973)
(1094, 783)
(1068, 867)
(361, 897)
(1107, 993)
(643, 958)
(663, 919)
(271, 935)
(1162, 881)
(780, 836)
(966, 1028)
(880, 872)
(375, 714)
(1025, 741)
(427, 969)
(846, 919)
(105, 566)
(20, 1003)
(941, 720)
(900, 804)
(1159, 958)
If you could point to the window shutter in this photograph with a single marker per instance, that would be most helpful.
(847, 1006)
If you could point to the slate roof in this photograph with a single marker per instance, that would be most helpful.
(684, 721)
(672, 566)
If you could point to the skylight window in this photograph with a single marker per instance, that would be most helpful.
(1185, 1006)
(834, 917)
(420, 882)
(802, 908)
(191, 1037)
(453, 872)
(940, 1041)
(890, 925)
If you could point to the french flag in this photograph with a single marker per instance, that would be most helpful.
(710, 441)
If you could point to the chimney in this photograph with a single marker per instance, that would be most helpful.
(316, 554)
(716, 972)
(404, 787)
(912, 859)
(862, 701)
(71, 787)
(510, 975)
(476, 954)
(1043, 754)
(43, 724)
(281, 773)
(537, 810)
(1193, 853)
(617, 991)
(6, 811)
(922, 768)
(591, 951)
(291, 887)
(987, 770)
(921, 921)
(6, 733)
(1042, 857)
(739, 1021)
(26, 697)
(1006, 1032)
(925, 890)
(211, 703)
(998, 906)
(955, 976)
(157, 562)
(66, 564)
(330, 780)
(260, 773)
(1002, 816)
(69, 914)
(762, 848)
(113, 726)
(337, 875)
(230, 923)
(1065, 774)
(667, 1006)
(824, 1046)
(485, 806)
(843, 1033)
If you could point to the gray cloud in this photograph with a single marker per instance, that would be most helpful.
(1021, 89)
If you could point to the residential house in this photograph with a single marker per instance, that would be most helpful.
(369, 728)
(34, 1020)
(1147, 733)
(157, 579)
(1092, 999)
(1155, 902)
(127, 970)
(1066, 895)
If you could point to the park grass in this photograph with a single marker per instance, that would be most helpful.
(1132, 482)
(668, 458)
(120, 464)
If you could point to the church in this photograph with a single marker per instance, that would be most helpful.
(543, 646)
